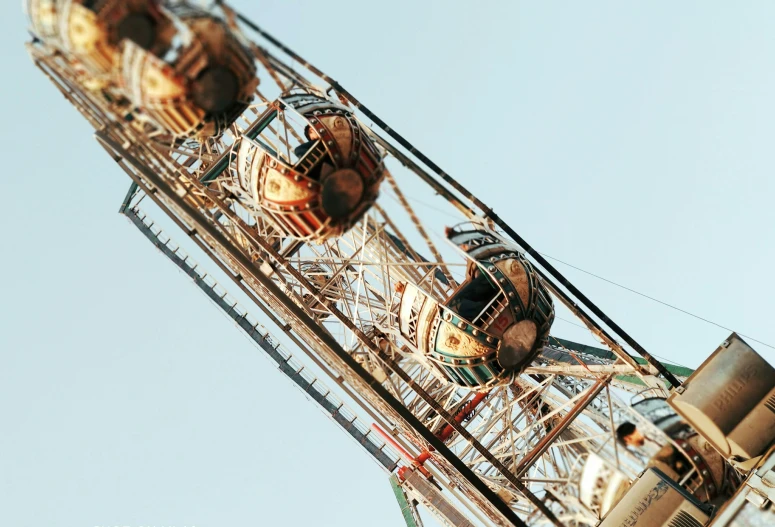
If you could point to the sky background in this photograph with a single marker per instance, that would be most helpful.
(633, 140)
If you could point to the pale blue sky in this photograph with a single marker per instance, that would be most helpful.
(631, 139)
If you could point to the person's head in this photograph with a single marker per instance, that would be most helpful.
(310, 133)
(629, 435)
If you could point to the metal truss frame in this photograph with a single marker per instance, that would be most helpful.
(512, 456)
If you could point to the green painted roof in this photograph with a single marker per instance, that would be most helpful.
(678, 371)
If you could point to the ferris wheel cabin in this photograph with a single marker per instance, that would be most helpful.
(182, 69)
(722, 423)
(492, 326)
(92, 31)
(308, 166)
(202, 89)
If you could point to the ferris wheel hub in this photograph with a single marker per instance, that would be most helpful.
(216, 89)
(342, 193)
(518, 341)
(139, 28)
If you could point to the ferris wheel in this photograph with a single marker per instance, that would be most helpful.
(437, 329)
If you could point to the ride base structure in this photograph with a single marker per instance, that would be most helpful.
(435, 337)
